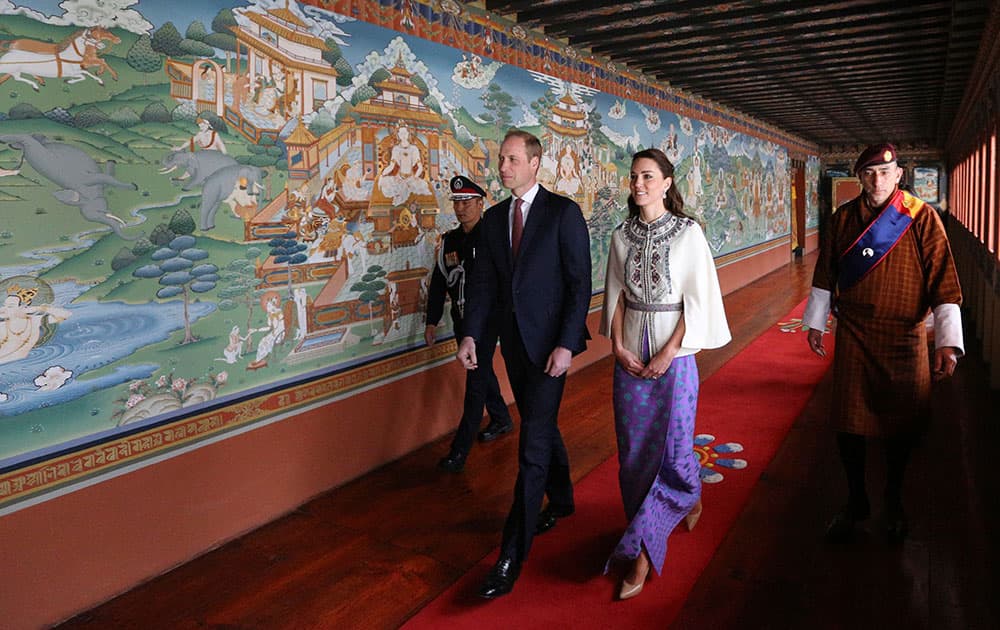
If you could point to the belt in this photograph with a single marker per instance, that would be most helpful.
(654, 308)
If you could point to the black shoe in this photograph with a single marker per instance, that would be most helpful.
(547, 518)
(841, 527)
(896, 528)
(453, 463)
(494, 430)
(501, 579)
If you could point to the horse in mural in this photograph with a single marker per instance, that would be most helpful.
(67, 59)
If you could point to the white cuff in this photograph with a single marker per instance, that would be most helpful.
(817, 309)
(948, 327)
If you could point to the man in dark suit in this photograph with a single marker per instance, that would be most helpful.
(534, 274)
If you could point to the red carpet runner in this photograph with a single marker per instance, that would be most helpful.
(750, 402)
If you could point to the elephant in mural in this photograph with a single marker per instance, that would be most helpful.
(197, 165)
(221, 184)
(78, 175)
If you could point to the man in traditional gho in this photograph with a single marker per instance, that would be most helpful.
(456, 257)
(885, 266)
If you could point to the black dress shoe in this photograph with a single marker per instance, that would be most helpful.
(452, 463)
(841, 527)
(494, 430)
(547, 518)
(501, 579)
(896, 528)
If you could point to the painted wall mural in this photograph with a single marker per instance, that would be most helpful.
(812, 192)
(209, 199)
(925, 183)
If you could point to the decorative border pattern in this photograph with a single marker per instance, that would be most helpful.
(33, 479)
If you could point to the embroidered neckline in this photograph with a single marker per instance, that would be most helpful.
(646, 270)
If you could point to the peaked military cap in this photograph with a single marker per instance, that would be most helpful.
(464, 188)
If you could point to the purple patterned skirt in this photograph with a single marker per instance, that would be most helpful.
(658, 468)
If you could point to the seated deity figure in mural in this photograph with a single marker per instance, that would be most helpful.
(352, 183)
(568, 181)
(21, 322)
(720, 189)
(404, 174)
(205, 138)
(275, 329)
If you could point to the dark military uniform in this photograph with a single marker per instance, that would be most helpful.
(456, 256)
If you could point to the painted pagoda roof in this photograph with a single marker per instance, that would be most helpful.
(300, 136)
(293, 35)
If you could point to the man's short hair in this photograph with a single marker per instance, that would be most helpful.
(532, 145)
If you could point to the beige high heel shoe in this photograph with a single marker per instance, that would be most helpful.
(630, 589)
(692, 518)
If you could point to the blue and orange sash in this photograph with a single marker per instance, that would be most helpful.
(878, 239)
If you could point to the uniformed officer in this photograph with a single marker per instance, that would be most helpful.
(456, 255)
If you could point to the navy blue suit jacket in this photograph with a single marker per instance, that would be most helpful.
(547, 292)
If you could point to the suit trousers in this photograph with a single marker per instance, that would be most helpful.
(481, 389)
(543, 463)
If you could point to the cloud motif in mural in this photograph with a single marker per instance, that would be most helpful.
(9, 8)
(621, 139)
(529, 119)
(53, 378)
(323, 14)
(107, 13)
(3, 397)
(561, 86)
(472, 74)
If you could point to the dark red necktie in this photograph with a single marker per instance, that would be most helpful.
(516, 228)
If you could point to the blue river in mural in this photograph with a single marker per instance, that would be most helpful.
(96, 335)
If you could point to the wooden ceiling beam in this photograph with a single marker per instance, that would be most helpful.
(706, 17)
(636, 41)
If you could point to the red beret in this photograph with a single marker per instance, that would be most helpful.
(465, 188)
(875, 155)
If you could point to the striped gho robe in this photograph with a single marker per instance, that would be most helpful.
(882, 380)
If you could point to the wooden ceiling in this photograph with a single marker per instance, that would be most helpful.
(836, 73)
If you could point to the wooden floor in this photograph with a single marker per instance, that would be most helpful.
(372, 553)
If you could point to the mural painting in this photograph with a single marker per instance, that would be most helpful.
(812, 192)
(205, 199)
(925, 183)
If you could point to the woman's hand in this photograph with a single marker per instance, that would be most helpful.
(628, 360)
(659, 364)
